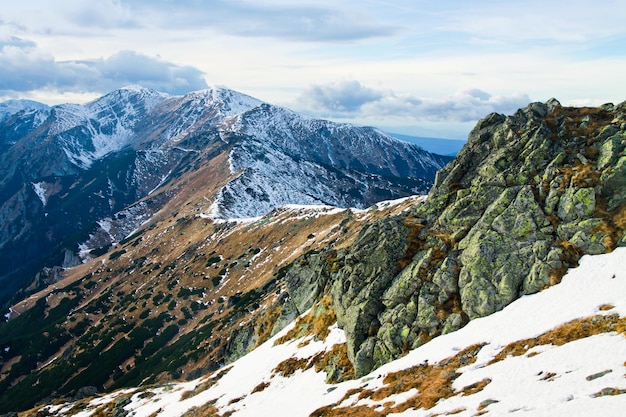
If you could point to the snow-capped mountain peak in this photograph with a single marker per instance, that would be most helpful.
(135, 142)
(91, 131)
(11, 107)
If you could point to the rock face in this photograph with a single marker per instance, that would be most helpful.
(523, 200)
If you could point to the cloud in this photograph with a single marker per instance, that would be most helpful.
(342, 97)
(16, 42)
(104, 14)
(24, 68)
(350, 99)
(287, 21)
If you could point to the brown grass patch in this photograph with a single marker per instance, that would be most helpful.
(548, 377)
(235, 400)
(483, 405)
(606, 307)
(580, 175)
(433, 383)
(315, 324)
(290, 366)
(455, 411)
(266, 324)
(609, 391)
(568, 332)
(475, 387)
(619, 217)
(334, 362)
(260, 387)
(414, 242)
(206, 410)
(204, 385)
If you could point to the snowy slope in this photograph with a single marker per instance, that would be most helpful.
(552, 368)
(89, 132)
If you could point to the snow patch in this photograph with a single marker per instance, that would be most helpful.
(40, 190)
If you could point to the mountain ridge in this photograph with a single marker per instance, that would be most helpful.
(124, 155)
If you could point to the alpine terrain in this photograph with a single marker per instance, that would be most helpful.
(502, 291)
(76, 178)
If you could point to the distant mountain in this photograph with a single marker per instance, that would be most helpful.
(77, 178)
(449, 147)
(11, 107)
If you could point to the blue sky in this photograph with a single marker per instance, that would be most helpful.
(418, 67)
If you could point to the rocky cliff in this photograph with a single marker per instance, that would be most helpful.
(526, 197)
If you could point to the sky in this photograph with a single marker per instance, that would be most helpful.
(421, 67)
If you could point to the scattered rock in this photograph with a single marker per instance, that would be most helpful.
(598, 375)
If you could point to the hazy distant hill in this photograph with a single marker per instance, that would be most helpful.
(449, 147)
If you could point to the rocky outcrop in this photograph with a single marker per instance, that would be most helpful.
(526, 197)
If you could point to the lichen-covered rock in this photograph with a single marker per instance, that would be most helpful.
(576, 204)
(524, 199)
(359, 284)
(306, 278)
(527, 196)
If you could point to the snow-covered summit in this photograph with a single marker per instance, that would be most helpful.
(11, 107)
(136, 142)
(230, 102)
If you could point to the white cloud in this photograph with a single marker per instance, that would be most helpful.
(24, 68)
(352, 99)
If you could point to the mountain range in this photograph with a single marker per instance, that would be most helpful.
(425, 305)
(76, 178)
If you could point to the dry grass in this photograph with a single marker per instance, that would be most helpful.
(619, 217)
(206, 410)
(609, 391)
(315, 324)
(335, 359)
(203, 386)
(414, 242)
(266, 324)
(260, 387)
(433, 383)
(290, 366)
(483, 405)
(548, 377)
(568, 332)
(475, 387)
(235, 400)
(606, 307)
(579, 175)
